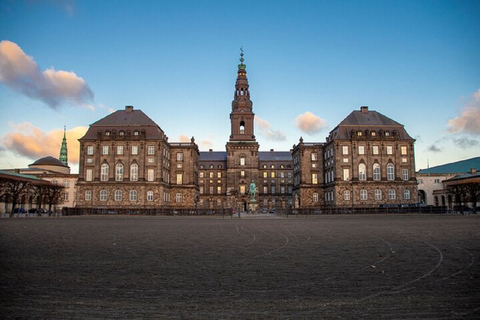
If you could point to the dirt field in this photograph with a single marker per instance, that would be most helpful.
(324, 267)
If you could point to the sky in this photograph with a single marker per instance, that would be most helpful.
(67, 63)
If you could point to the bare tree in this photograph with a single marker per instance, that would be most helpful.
(54, 195)
(14, 189)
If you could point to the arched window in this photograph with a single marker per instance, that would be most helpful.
(242, 127)
(133, 195)
(363, 194)
(406, 194)
(149, 195)
(315, 197)
(242, 160)
(378, 194)
(390, 171)
(134, 172)
(376, 171)
(362, 172)
(118, 195)
(104, 172)
(103, 195)
(346, 195)
(119, 172)
(178, 197)
(391, 194)
(88, 195)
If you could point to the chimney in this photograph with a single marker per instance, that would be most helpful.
(128, 109)
(210, 150)
(473, 170)
(271, 150)
(364, 109)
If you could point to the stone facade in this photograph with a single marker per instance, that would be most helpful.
(126, 160)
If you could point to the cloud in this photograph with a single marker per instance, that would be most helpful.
(268, 132)
(469, 119)
(434, 148)
(54, 88)
(205, 144)
(466, 143)
(310, 123)
(27, 140)
(184, 138)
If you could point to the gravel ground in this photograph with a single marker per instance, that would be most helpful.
(323, 267)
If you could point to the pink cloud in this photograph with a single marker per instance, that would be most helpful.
(21, 73)
(266, 130)
(310, 123)
(27, 140)
(469, 119)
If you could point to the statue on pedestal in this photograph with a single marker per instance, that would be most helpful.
(253, 191)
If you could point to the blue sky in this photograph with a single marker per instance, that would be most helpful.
(309, 63)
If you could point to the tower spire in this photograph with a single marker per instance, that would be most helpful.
(63, 150)
(242, 116)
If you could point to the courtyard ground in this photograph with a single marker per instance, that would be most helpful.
(322, 267)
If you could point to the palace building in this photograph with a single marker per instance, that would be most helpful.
(126, 161)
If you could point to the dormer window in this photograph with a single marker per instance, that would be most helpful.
(387, 133)
(107, 133)
(122, 133)
(359, 133)
(136, 133)
(373, 133)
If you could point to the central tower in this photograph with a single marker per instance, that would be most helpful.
(242, 148)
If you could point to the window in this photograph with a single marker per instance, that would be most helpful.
(90, 150)
(359, 133)
(201, 190)
(387, 133)
(282, 189)
(390, 172)
(133, 195)
(273, 189)
(103, 195)
(272, 174)
(375, 150)
(344, 149)
(373, 133)
(202, 174)
(65, 196)
(242, 189)
(210, 174)
(118, 195)
(210, 190)
(134, 150)
(242, 174)
(150, 175)
(314, 178)
(104, 172)
(136, 133)
(378, 194)
(180, 156)
(391, 194)
(88, 195)
(315, 197)
(265, 174)
(242, 160)
(405, 174)
(437, 181)
(122, 133)
(376, 171)
(265, 189)
(389, 150)
(119, 172)
(362, 172)
(403, 150)
(89, 175)
(272, 166)
(363, 194)
(119, 150)
(219, 174)
(151, 150)
(149, 195)
(406, 194)
(404, 160)
(242, 124)
(105, 150)
(178, 197)
(219, 190)
(134, 172)
(346, 174)
(361, 149)
(65, 183)
(346, 195)
(314, 156)
(179, 178)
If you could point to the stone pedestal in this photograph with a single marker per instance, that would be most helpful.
(252, 207)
